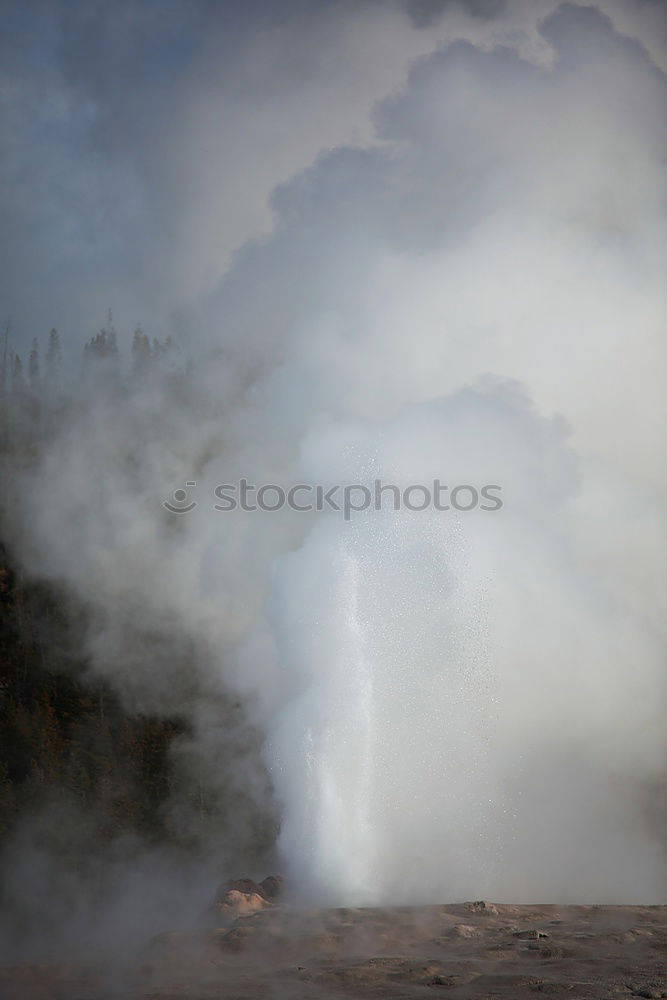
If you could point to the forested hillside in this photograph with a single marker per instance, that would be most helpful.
(67, 738)
(64, 732)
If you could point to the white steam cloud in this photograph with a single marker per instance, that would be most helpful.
(455, 704)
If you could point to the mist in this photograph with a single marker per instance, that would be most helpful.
(430, 250)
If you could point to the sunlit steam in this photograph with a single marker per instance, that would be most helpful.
(469, 288)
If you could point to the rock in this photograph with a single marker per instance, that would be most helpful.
(241, 885)
(272, 886)
(242, 896)
(269, 888)
(464, 931)
(530, 935)
(240, 904)
(480, 906)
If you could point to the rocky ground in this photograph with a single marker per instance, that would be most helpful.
(266, 948)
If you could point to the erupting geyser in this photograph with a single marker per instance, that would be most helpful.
(389, 727)
(458, 682)
(466, 286)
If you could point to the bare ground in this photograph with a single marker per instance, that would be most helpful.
(476, 950)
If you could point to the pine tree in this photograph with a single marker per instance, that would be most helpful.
(18, 381)
(100, 356)
(141, 353)
(111, 342)
(53, 358)
(33, 366)
(4, 372)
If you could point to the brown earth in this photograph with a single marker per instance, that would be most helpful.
(476, 950)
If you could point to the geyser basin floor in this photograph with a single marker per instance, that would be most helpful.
(465, 950)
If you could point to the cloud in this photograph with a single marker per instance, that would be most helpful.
(143, 143)
(425, 12)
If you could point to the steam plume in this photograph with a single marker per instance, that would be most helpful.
(454, 704)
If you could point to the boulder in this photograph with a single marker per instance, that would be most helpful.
(242, 896)
(240, 904)
(272, 886)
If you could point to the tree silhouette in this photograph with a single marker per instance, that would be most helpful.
(33, 366)
(53, 358)
(18, 381)
(141, 353)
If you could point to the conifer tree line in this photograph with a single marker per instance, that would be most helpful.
(34, 387)
(13, 377)
(65, 735)
(63, 732)
(42, 369)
